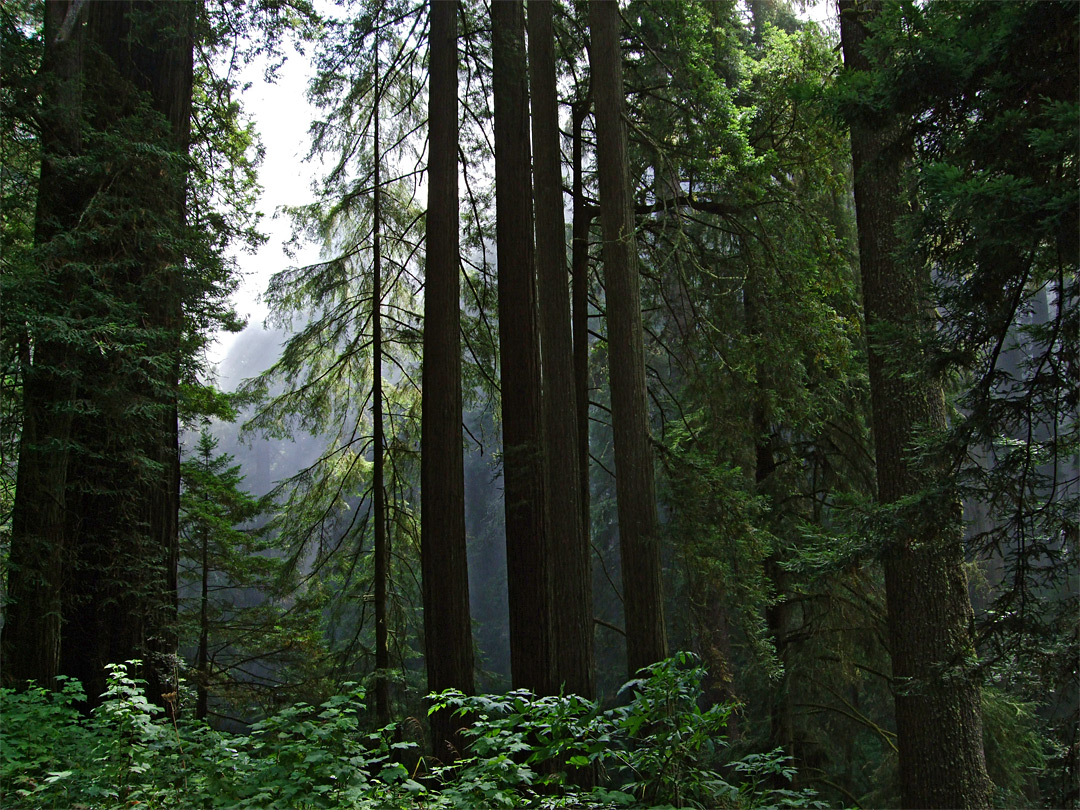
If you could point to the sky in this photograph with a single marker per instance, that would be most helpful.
(281, 114)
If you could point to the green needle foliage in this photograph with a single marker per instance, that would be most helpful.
(247, 628)
(368, 68)
(988, 93)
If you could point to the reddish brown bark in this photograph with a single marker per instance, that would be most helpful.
(639, 544)
(571, 557)
(448, 640)
(938, 706)
(527, 552)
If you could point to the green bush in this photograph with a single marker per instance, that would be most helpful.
(659, 749)
(127, 755)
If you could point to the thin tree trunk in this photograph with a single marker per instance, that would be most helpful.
(571, 558)
(579, 263)
(448, 642)
(938, 707)
(777, 614)
(382, 556)
(202, 654)
(527, 552)
(635, 486)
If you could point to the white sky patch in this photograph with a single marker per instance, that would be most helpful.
(823, 12)
(282, 116)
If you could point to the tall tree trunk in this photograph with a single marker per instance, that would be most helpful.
(123, 496)
(938, 709)
(170, 67)
(579, 271)
(382, 549)
(778, 614)
(202, 652)
(527, 552)
(447, 623)
(571, 571)
(104, 502)
(635, 486)
(31, 632)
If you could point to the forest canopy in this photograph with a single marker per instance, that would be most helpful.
(681, 410)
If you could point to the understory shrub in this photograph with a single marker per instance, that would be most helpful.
(659, 748)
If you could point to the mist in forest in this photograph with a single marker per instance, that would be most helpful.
(267, 461)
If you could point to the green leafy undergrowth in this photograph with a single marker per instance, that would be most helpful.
(657, 749)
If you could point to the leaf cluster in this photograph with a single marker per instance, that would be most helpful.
(658, 749)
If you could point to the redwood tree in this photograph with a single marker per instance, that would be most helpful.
(635, 486)
(31, 638)
(570, 554)
(122, 599)
(99, 519)
(447, 624)
(527, 553)
(937, 695)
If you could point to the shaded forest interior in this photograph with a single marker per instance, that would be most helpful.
(682, 410)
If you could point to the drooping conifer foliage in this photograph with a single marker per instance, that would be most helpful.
(638, 327)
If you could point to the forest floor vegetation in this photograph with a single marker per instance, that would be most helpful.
(660, 748)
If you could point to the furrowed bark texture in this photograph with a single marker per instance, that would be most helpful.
(31, 634)
(571, 557)
(448, 640)
(527, 554)
(579, 270)
(938, 710)
(634, 482)
(123, 498)
(101, 513)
